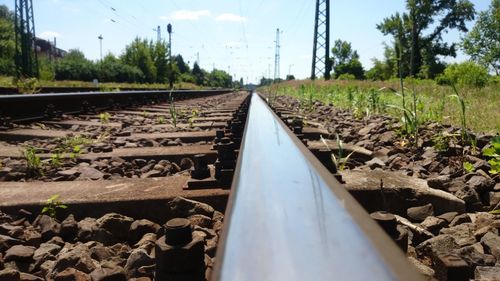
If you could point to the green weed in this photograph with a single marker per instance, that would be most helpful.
(160, 120)
(72, 145)
(72, 142)
(468, 167)
(463, 118)
(32, 160)
(103, 136)
(194, 114)
(56, 160)
(27, 86)
(493, 153)
(408, 114)
(339, 160)
(433, 102)
(41, 126)
(77, 150)
(441, 141)
(104, 117)
(374, 100)
(51, 206)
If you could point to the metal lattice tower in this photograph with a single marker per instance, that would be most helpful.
(26, 56)
(277, 56)
(321, 65)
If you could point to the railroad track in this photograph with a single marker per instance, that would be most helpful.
(49, 90)
(288, 218)
(137, 136)
(21, 108)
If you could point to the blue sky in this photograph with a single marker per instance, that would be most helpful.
(234, 35)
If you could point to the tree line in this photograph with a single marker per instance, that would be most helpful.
(418, 47)
(142, 61)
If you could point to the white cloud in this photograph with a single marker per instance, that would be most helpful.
(49, 35)
(230, 17)
(187, 15)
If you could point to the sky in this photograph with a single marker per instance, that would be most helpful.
(233, 35)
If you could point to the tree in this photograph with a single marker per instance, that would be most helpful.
(379, 71)
(74, 66)
(7, 42)
(199, 74)
(418, 52)
(160, 57)
(345, 60)
(112, 69)
(483, 41)
(219, 78)
(183, 67)
(466, 74)
(386, 68)
(46, 69)
(173, 73)
(265, 81)
(139, 54)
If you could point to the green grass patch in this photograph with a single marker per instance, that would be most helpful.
(432, 101)
(6, 81)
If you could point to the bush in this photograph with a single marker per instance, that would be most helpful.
(353, 67)
(465, 74)
(187, 77)
(112, 69)
(74, 66)
(46, 69)
(495, 80)
(346, 76)
(379, 71)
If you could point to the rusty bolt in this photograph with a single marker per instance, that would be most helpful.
(386, 220)
(177, 231)
(201, 170)
(179, 254)
(219, 134)
(297, 130)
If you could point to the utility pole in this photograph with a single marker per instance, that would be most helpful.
(26, 56)
(158, 34)
(277, 56)
(198, 58)
(321, 64)
(169, 30)
(100, 44)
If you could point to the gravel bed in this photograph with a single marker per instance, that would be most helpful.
(112, 247)
(443, 246)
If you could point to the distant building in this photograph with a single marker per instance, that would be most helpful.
(48, 49)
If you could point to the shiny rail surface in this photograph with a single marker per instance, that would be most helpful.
(289, 219)
(35, 107)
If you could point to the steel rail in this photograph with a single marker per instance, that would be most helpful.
(34, 107)
(289, 219)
